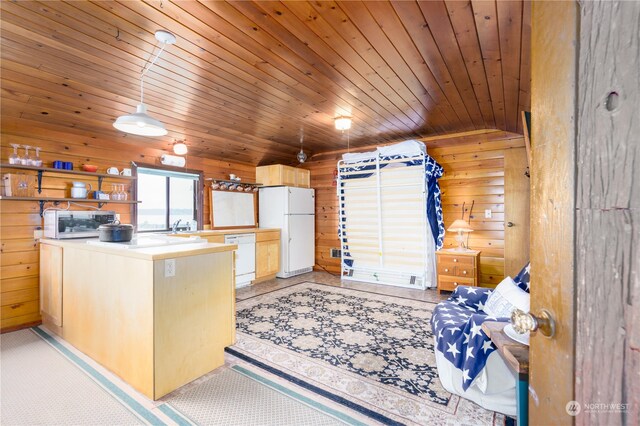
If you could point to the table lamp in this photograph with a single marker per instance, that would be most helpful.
(460, 226)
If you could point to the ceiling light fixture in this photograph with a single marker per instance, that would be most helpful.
(180, 148)
(302, 157)
(140, 123)
(342, 123)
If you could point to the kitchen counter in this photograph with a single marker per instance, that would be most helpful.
(267, 248)
(157, 316)
(162, 250)
(208, 232)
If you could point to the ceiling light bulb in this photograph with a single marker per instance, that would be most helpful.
(343, 123)
(180, 148)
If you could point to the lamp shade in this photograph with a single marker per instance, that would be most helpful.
(459, 226)
(343, 123)
(139, 123)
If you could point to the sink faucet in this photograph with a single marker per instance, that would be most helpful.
(174, 227)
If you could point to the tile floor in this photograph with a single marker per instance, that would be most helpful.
(429, 295)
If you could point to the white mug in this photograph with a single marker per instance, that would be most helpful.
(125, 172)
(113, 171)
(232, 177)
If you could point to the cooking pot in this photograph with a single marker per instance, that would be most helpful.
(115, 232)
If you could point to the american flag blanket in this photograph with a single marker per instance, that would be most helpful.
(457, 323)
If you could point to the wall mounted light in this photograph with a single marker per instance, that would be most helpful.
(180, 148)
(140, 123)
(342, 123)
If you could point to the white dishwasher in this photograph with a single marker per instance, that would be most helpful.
(245, 257)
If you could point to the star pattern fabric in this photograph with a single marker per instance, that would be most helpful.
(522, 279)
(457, 323)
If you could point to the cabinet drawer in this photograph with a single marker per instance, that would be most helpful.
(458, 260)
(446, 268)
(465, 271)
(267, 236)
(450, 283)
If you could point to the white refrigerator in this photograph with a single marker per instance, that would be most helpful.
(293, 211)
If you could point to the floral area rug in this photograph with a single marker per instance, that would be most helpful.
(370, 352)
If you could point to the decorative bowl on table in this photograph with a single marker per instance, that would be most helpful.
(89, 168)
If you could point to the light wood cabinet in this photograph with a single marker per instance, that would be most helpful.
(267, 255)
(51, 284)
(157, 331)
(281, 175)
(457, 268)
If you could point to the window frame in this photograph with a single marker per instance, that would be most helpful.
(198, 201)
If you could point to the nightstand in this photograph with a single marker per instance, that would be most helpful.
(457, 268)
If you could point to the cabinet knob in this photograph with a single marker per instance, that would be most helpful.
(464, 272)
(446, 269)
(510, 224)
(456, 284)
(455, 260)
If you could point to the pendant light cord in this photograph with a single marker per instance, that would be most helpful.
(146, 69)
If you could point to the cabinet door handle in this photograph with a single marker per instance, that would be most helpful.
(510, 224)
(455, 260)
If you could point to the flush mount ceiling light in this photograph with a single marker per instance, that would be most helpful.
(342, 123)
(180, 148)
(140, 123)
(302, 157)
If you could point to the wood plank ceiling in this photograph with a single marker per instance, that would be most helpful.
(245, 76)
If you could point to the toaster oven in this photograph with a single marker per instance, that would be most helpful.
(63, 224)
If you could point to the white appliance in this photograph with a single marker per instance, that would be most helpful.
(63, 224)
(293, 211)
(245, 257)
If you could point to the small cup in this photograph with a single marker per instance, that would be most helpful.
(58, 164)
(232, 177)
(215, 185)
(67, 165)
(113, 171)
(125, 172)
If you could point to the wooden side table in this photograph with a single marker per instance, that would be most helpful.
(457, 268)
(516, 356)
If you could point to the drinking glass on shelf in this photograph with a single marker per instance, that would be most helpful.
(123, 193)
(115, 192)
(15, 158)
(37, 161)
(26, 160)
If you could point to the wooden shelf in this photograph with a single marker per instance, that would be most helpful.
(64, 200)
(71, 172)
(43, 200)
(235, 182)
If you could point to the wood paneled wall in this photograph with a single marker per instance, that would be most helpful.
(18, 220)
(474, 173)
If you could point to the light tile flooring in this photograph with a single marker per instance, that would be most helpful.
(429, 295)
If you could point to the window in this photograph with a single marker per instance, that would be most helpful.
(167, 197)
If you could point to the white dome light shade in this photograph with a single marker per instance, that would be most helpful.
(140, 123)
(180, 148)
(343, 123)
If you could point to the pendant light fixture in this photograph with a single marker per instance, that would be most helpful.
(140, 123)
(302, 157)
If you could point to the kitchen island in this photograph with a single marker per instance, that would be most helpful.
(158, 316)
